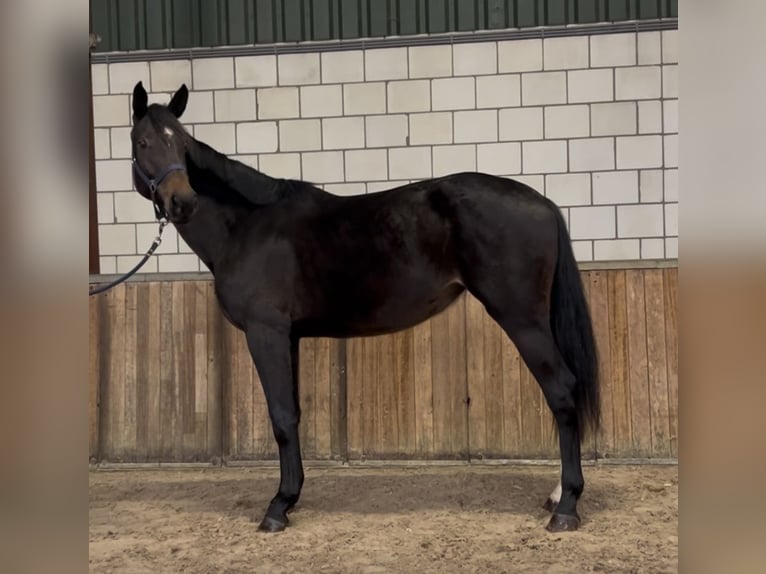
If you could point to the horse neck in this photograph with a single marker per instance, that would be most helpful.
(209, 232)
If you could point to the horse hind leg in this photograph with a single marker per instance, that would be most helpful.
(541, 355)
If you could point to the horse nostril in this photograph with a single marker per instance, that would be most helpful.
(174, 201)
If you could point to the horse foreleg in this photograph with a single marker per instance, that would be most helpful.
(275, 357)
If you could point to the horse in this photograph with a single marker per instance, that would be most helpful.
(290, 260)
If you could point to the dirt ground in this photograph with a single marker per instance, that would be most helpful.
(375, 520)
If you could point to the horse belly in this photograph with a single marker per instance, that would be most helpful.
(403, 308)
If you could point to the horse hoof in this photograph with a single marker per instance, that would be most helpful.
(269, 524)
(563, 523)
(550, 506)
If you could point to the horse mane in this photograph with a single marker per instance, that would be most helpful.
(221, 174)
(228, 180)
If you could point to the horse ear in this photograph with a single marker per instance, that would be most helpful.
(140, 100)
(177, 104)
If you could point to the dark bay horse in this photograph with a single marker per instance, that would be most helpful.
(290, 261)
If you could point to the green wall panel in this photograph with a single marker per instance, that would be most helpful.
(156, 24)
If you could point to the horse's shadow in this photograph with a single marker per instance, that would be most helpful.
(391, 491)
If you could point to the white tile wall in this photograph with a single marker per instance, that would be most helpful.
(340, 67)
(453, 94)
(613, 119)
(234, 105)
(298, 69)
(592, 154)
(386, 131)
(649, 50)
(169, 75)
(430, 128)
(300, 135)
(409, 163)
(499, 158)
(430, 61)
(567, 189)
(639, 83)
(567, 122)
(366, 164)
(276, 103)
(640, 220)
(323, 166)
(99, 78)
(453, 159)
(476, 126)
(612, 187)
(409, 96)
(255, 71)
(650, 117)
(651, 185)
(610, 50)
(257, 137)
(124, 76)
(565, 53)
(475, 59)
(499, 91)
(544, 88)
(590, 86)
(213, 73)
(364, 98)
(520, 56)
(321, 101)
(385, 64)
(544, 157)
(591, 122)
(517, 124)
(343, 133)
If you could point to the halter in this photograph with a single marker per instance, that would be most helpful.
(153, 183)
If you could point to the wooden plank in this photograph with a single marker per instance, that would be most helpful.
(201, 334)
(424, 415)
(371, 399)
(188, 383)
(449, 382)
(214, 372)
(355, 398)
(671, 343)
(404, 381)
(308, 398)
(228, 390)
(477, 383)
(339, 399)
(599, 304)
(531, 425)
(513, 436)
(589, 442)
(154, 345)
(618, 345)
(495, 380)
(387, 414)
(168, 409)
(182, 372)
(94, 376)
(638, 371)
(246, 387)
(116, 381)
(142, 363)
(322, 386)
(657, 363)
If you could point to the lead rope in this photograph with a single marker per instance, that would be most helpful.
(147, 255)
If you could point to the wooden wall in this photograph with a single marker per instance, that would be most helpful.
(171, 380)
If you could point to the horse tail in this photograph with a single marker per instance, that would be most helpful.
(573, 332)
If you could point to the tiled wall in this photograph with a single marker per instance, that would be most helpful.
(591, 121)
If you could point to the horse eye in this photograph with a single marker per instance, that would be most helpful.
(142, 142)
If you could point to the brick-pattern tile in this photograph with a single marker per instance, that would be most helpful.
(340, 67)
